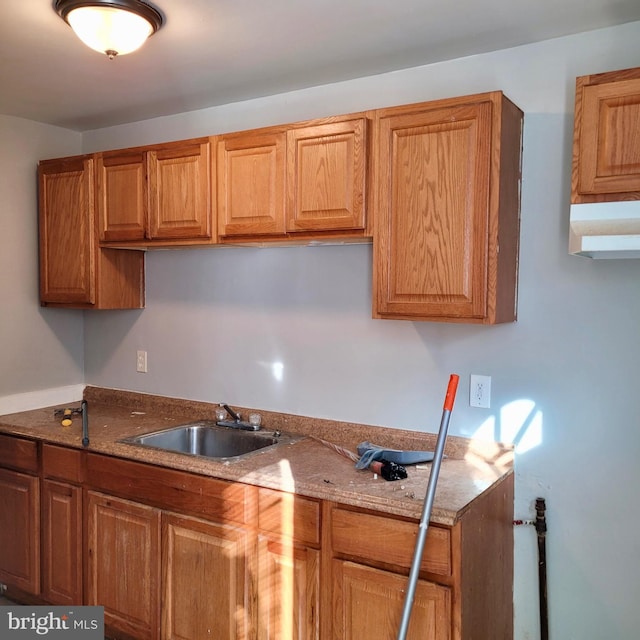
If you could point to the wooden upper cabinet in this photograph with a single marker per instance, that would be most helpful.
(153, 194)
(122, 195)
(251, 178)
(74, 271)
(606, 143)
(447, 210)
(66, 220)
(326, 173)
(295, 182)
(180, 191)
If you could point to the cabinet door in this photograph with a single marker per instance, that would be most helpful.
(67, 243)
(608, 130)
(288, 590)
(179, 180)
(61, 543)
(326, 171)
(20, 531)
(369, 602)
(251, 178)
(432, 212)
(205, 580)
(122, 195)
(123, 565)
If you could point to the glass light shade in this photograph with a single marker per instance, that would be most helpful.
(110, 30)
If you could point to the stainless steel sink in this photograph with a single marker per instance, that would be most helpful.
(205, 438)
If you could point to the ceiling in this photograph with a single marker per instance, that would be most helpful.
(213, 52)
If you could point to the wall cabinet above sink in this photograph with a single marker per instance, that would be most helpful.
(294, 183)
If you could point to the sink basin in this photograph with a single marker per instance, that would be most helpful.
(205, 438)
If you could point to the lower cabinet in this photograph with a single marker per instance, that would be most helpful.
(288, 590)
(20, 531)
(172, 555)
(206, 587)
(19, 516)
(369, 602)
(123, 565)
(61, 540)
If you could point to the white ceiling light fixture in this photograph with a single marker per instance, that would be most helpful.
(113, 27)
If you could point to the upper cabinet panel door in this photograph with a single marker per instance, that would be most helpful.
(122, 195)
(326, 172)
(180, 191)
(447, 210)
(432, 213)
(607, 135)
(251, 184)
(67, 242)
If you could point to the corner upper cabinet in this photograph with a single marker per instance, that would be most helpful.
(74, 271)
(156, 195)
(606, 144)
(447, 210)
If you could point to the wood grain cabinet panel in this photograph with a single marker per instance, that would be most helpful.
(288, 590)
(606, 151)
(20, 531)
(326, 174)
(206, 584)
(123, 564)
(251, 183)
(122, 195)
(447, 210)
(61, 540)
(67, 244)
(369, 602)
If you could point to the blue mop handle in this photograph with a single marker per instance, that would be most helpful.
(428, 505)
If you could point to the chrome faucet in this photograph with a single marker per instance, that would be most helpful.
(237, 422)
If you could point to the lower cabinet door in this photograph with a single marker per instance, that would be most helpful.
(61, 543)
(123, 565)
(369, 603)
(20, 531)
(206, 583)
(288, 590)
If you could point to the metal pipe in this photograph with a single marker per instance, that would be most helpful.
(541, 530)
(85, 423)
(428, 505)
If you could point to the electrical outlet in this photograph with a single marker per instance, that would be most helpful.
(141, 362)
(480, 391)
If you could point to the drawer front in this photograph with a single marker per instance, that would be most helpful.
(170, 489)
(289, 515)
(62, 463)
(18, 453)
(383, 539)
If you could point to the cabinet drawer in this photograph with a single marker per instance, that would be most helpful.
(382, 539)
(170, 489)
(62, 463)
(289, 515)
(18, 453)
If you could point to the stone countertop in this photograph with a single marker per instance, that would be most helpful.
(305, 467)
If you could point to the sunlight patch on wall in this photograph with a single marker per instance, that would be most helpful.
(519, 423)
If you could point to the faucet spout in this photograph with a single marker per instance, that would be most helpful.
(237, 422)
(231, 412)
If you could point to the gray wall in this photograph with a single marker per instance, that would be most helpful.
(218, 320)
(40, 349)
